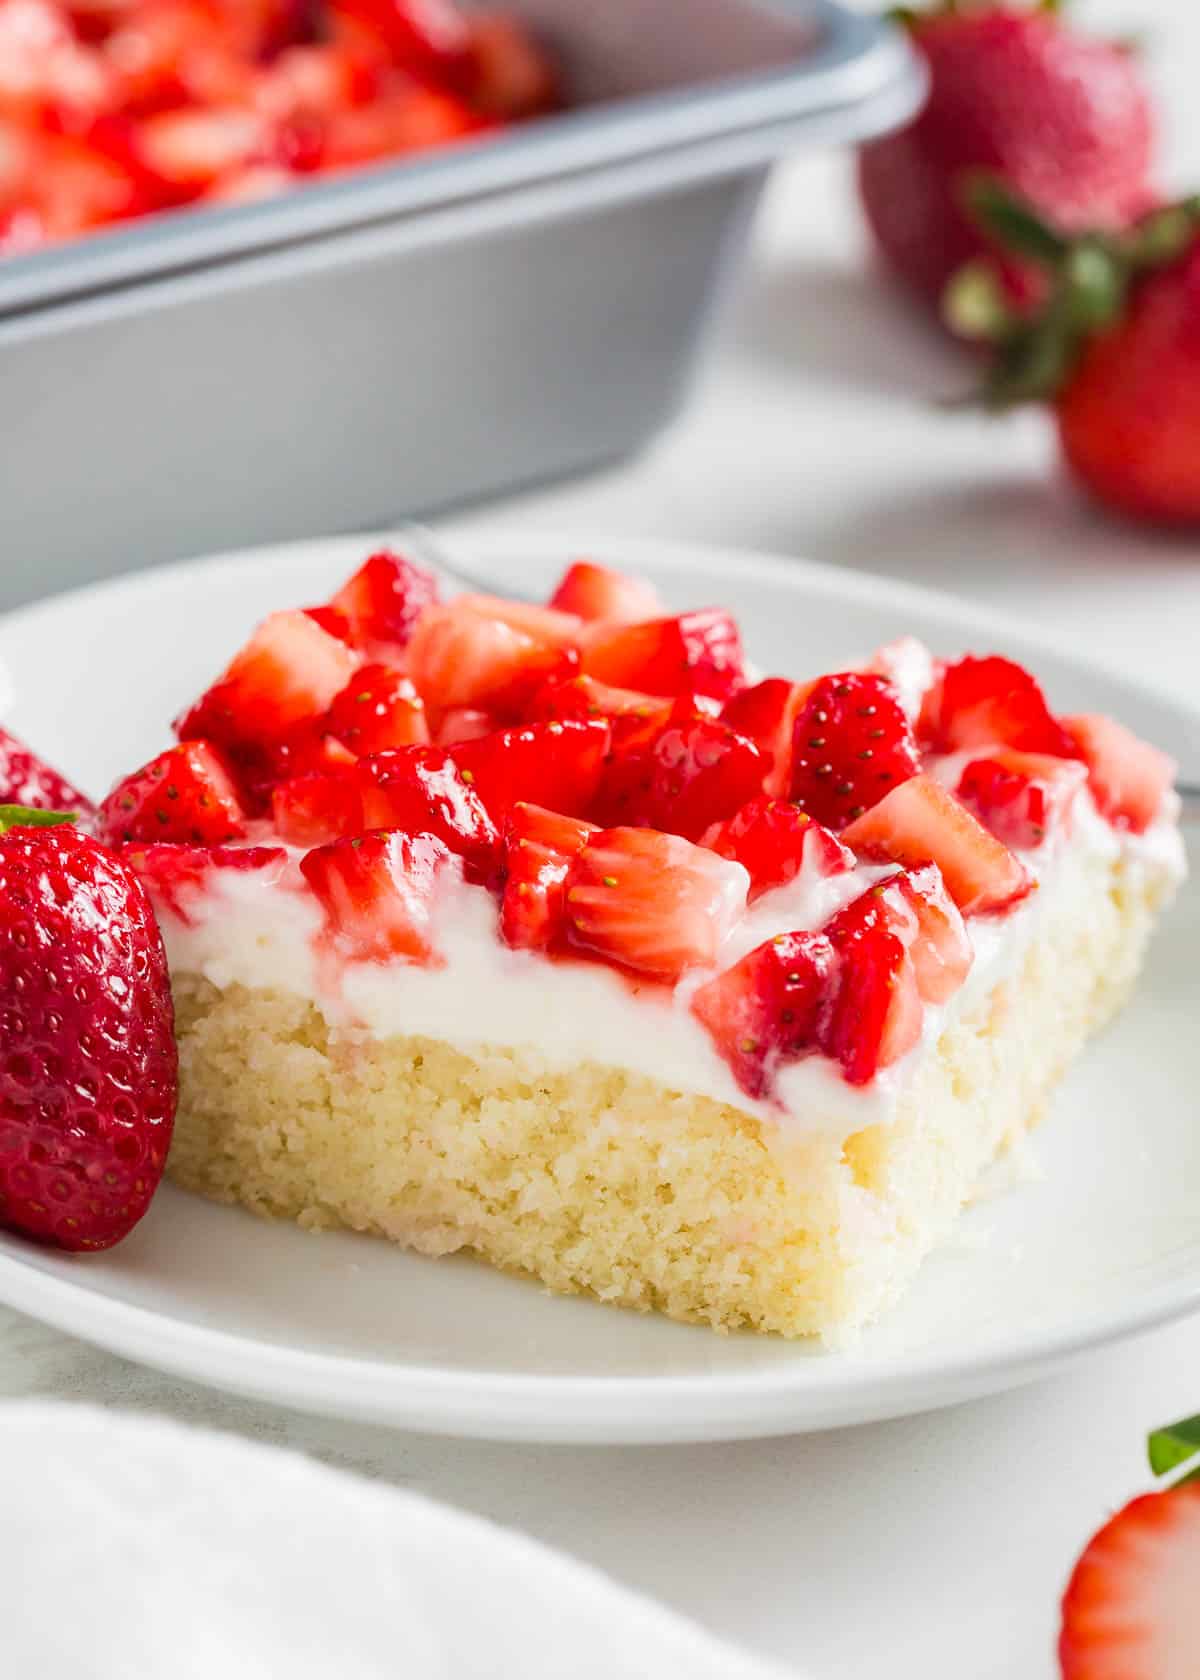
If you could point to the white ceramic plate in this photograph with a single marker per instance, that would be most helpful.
(1106, 1241)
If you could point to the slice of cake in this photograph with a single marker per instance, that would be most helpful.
(554, 935)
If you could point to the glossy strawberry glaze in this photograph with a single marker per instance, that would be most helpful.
(247, 928)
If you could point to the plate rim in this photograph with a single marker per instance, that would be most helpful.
(769, 1400)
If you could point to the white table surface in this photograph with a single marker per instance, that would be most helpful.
(933, 1548)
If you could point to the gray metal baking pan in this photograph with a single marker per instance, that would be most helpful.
(421, 334)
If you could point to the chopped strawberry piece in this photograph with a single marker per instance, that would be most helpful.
(461, 658)
(651, 902)
(591, 591)
(933, 930)
(545, 624)
(852, 743)
(1020, 797)
(774, 841)
(874, 1017)
(422, 791)
(191, 148)
(383, 601)
(555, 765)
(332, 620)
(1129, 1609)
(511, 77)
(680, 778)
(27, 780)
(313, 809)
(995, 702)
(766, 1010)
(308, 749)
(289, 673)
(378, 893)
(378, 708)
(1129, 778)
(185, 794)
(766, 714)
(697, 653)
(464, 723)
(582, 698)
(174, 874)
(920, 822)
(538, 848)
(427, 38)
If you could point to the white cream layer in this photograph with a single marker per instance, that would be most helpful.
(242, 929)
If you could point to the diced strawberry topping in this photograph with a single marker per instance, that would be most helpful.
(994, 701)
(378, 891)
(312, 809)
(332, 620)
(555, 765)
(591, 591)
(383, 601)
(912, 671)
(26, 779)
(766, 714)
(538, 848)
(461, 658)
(464, 723)
(427, 38)
(1128, 777)
(545, 624)
(185, 794)
(680, 778)
(289, 673)
(920, 822)
(774, 841)
(695, 653)
(651, 902)
(379, 708)
(931, 925)
(874, 1015)
(1129, 1609)
(511, 77)
(173, 874)
(1020, 797)
(852, 744)
(421, 790)
(766, 1010)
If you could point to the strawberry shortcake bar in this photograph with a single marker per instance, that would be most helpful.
(555, 935)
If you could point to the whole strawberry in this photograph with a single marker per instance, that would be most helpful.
(1114, 351)
(88, 1068)
(1063, 118)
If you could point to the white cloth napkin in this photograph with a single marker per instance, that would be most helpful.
(136, 1549)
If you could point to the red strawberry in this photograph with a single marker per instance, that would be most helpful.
(766, 1010)
(421, 790)
(1066, 120)
(308, 749)
(511, 76)
(696, 653)
(460, 658)
(874, 1017)
(383, 601)
(651, 902)
(332, 620)
(1129, 1610)
(1020, 797)
(172, 873)
(766, 714)
(680, 778)
(852, 743)
(1129, 778)
(289, 673)
(190, 148)
(185, 794)
(1115, 352)
(919, 822)
(312, 809)
(538, 848)
(995, 702)
(378, 892)
(931, 925)
(774, 841)
(464, 723)
(547, 625)
(27, 780)
(582, 698)
(88, 1080)
(591, 591)
(427, 38)
(378, 708)
(556, 765)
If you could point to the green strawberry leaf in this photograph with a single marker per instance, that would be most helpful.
(23, 816)
(1177, 1444)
